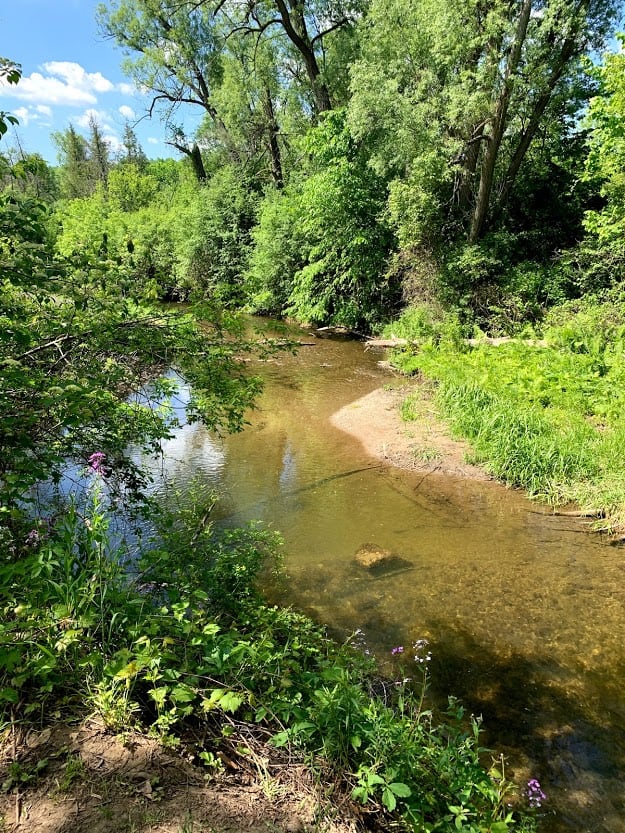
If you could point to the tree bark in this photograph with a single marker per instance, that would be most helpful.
(471, 156)
(294, 24)
(195, 155)
(498, 122)
(566, 53)
(274, 145)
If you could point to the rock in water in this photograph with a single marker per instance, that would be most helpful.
(370, 556)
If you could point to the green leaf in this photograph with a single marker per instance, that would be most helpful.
(388, 799)
(10, 695)
(401, 790)
(182, 694)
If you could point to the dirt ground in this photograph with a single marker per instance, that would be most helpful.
(93, 781)
(424, 444)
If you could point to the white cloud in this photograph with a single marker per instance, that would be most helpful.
(34, 114)
(115, 146)
(153, 141)
(23, 114)
(126, 89)
(76, 76)
(100, 116)
(66, 83)
(127, 112)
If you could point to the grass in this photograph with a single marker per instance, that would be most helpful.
(546, 419)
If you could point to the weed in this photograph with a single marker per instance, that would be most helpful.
(195, 643)
(20, 775)
(74, 770)
(425, 454)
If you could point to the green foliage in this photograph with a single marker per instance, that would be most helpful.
(425, 324)
(212, 237)
(493, 288)
(189, 641)
(277, 252)
(78, 337)
(77, 176)
(599, 260)
(548, 419)
(181, 240)
(129, 188)
(10, 72)
(339, 240)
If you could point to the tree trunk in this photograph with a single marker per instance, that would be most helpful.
(498, 122)
(294, 24)
(471, 156)
(197, 162)
(274, 145)
(195, 156)
(566, 53)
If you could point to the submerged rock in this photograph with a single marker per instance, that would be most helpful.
(370, 556)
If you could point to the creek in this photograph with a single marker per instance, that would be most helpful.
(523, 610)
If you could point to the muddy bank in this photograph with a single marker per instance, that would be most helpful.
(424, 444)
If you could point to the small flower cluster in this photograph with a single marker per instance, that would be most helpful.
(535, 795)
(33, 538)
(359, 642)
(421, 655)
(96, 462)
(399, 649)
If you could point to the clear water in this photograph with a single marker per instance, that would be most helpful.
(524, 611)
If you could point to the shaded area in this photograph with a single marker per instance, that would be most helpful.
(533, 712)
(93, 781)
(523, 610)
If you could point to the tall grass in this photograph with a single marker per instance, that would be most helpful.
(523, 447)
(549, 419)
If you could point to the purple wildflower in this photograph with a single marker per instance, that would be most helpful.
(398, 650)
(535, 795)
(96, 461)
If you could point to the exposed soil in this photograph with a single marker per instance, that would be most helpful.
(424, 444)
(94, 781)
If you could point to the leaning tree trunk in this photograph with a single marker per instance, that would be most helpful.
(195, 155)
(294, 24)
(538, 110)
(498, 122)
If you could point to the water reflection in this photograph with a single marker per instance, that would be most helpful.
(523, 610)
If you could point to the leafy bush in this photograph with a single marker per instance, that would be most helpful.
(425, 324)
(321, 247)
(211, 225)
(187, 651)
(277, 254)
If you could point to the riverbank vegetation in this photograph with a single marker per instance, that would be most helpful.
(453, 167)
(543, 414)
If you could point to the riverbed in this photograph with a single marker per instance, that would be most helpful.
(523, 610)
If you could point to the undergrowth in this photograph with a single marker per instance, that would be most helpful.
(180, 638)
(545, 416)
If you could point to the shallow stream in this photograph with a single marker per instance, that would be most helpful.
(524, 610)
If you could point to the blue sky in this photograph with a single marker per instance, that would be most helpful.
(69, 71)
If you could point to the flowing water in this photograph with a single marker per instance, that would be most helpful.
(524, 611)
